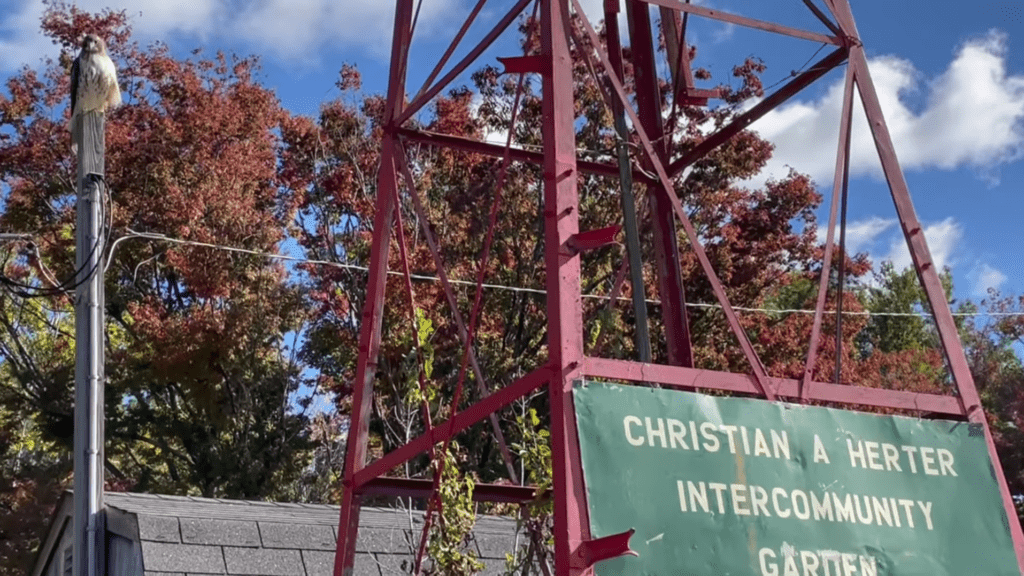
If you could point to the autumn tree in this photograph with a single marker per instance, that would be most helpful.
(993, 343)
(203, 392)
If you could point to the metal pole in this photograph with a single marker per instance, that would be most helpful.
(89, 544)
(642, 334)
(671, 288)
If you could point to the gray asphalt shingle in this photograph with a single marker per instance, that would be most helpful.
(318, 563)
(161, 557)
(159, 528)
(392, 564)
(322, 564)
(192, 536)
(258, 561)
(222, 532)
(304, 536)
(491, 545)
(387, 540)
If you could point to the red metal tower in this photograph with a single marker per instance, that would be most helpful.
(575, 552)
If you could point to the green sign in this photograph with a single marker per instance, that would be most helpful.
(732, 486)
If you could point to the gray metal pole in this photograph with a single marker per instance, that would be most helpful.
(642, 335)
(89, 545)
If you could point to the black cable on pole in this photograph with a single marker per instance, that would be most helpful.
(77, 278)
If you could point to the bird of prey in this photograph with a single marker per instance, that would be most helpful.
(93, 79)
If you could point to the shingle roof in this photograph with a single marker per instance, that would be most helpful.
(182, 535)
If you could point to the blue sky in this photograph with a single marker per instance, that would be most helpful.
(950, 77)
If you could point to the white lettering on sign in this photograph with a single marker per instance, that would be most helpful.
(791, 562)
(627, 422)
(752, 500)
(820, 455)
(827, 503)
(674, 434)
(884, 456)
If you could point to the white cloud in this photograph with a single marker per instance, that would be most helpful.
(20, 40)
(971, 117)
(293, 30)
(594, 9)
(983, 277)
(861, 235)
(942, 238)
(155, 19)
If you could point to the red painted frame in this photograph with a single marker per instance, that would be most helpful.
(574, 550)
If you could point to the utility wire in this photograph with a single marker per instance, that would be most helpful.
(426, 278)
(79, 276)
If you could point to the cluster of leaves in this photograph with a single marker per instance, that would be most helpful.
(448, 543)
(536, 521)
(998, 370)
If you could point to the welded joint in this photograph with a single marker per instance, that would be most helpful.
(552, 214)
(974, 413)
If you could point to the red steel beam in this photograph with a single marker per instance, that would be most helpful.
(844, 18)
(422, 488)
(747, 22)
(929, 277)
(691, 233)
(564, 301)
(459, 68)
(823, 18)
(819, 69)
(673, 30)
(451, 47)
(446, 286)
(671, 289)
(421, 375)
(518, 154)
(840, 182)
(373, 307)
(474, 317)
(464, 419)
(481, 383)
(686, 378)
(913, 231)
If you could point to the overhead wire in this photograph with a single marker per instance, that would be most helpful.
(77, 278)
(797, 72)
(520, 289)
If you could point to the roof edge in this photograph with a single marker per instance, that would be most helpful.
(64, 508)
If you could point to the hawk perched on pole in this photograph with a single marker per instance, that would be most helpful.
(93, 79)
